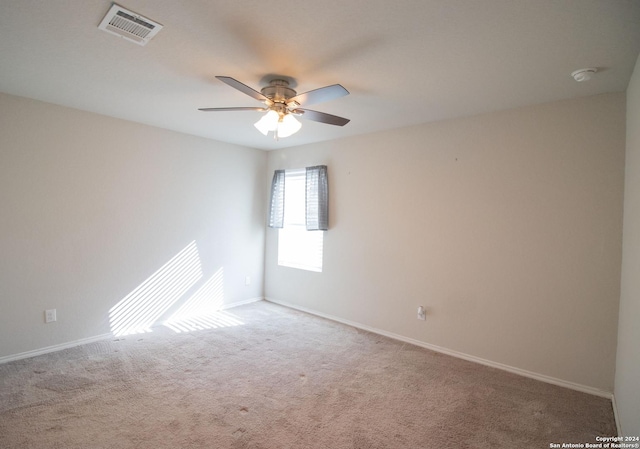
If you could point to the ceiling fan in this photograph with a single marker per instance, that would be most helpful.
(282, 103)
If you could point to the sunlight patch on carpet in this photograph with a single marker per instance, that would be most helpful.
(211, 320)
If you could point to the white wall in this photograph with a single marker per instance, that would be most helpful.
(91, 206)
(507, 226)
(627, 389)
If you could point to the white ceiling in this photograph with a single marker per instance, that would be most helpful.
(404, 62)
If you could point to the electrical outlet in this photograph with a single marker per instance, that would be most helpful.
(422, 313)
(49, 315)
(247, 280)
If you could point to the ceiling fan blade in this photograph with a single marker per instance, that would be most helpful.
(322, 117)
(242, 88)
(319, 95)
(232, 109)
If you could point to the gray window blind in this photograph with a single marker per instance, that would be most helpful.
(276, 206)
(317, 198)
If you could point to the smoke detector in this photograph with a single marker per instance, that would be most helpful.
(583, 74)
(129, 25)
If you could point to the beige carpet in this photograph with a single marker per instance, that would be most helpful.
(270, 377)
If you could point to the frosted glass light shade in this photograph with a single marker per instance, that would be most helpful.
(288, 126)
(268, 122)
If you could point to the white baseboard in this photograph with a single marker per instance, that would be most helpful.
(460, 355)
(231, 305)
(615, 414)
(511, 369)
(54, 348)
(83, 341)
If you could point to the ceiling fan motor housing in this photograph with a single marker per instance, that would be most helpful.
(278, 91)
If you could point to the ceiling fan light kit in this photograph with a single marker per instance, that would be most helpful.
(288, 125)
(282, 103)
(268, 122)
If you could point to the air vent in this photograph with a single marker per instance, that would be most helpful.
(129, 25)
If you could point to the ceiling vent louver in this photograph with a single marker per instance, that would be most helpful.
(129, 25)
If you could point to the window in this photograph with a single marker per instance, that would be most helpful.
(297, 247)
